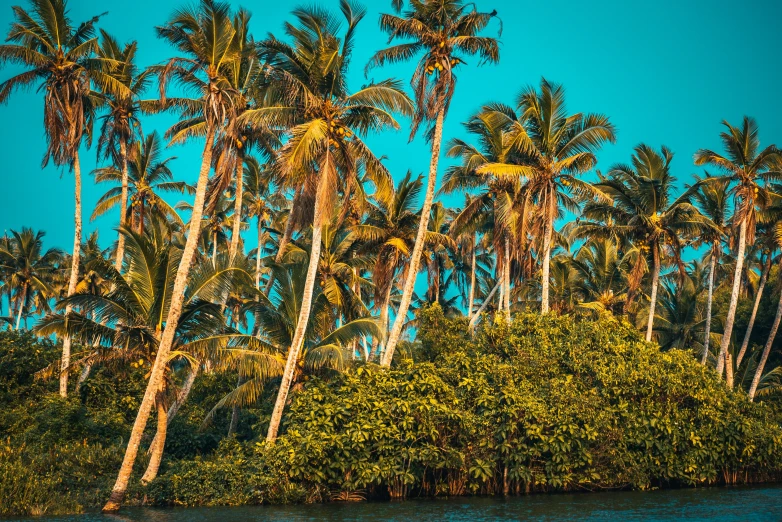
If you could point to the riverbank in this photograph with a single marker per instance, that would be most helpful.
(546, 404)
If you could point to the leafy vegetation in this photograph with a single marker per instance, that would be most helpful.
(310, 367)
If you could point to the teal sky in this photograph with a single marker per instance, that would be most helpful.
(666, 73)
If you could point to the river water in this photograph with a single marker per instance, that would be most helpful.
(745, 504)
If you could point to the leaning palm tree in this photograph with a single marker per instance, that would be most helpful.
(125, 324)
(644, 212)
(555, 149)
(712, 200)
(443, 31)
(27, 269)
(325, 148)
(59, 57)
(121, 124)
(140, 186)
(204, 35)
(748, 168)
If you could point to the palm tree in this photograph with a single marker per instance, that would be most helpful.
(121, 124)
(600, 273)
(325, 138)
(644, 213)
(261, 202)
(60, 58)
(389, 231)
(204, 34)
(555, 149)
(125, 323)
(747, 168)
(711, 199)
(146, 176)
(27, 269)
(443, 31)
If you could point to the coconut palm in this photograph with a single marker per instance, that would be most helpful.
(325, 148)
(644, 212)
(126, 323)
(747, 168)
(262, 202)
(121, 124)
(711, 197)
(27, 269)
(146, 177)
(59, 57)
(441, 33)
(204, 35)
(600, 273)
(389, 231)
(555, 149)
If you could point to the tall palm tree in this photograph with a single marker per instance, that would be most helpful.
(27, 269)
(59, 57)
(555, 149)
(261, 202)
(203, 34)
(644, 212)
(121, 124)
(443, 32)
(712, 200)
(325, 148)
(748, 168)
(145, 177)
(389, 231)
(125, 324)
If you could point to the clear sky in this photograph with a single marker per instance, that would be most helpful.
(666, 72)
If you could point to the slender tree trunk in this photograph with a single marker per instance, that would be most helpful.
(259, 254)
(471, 301)
(159, 442)
(544, 301)
(707, 333)
(237, 224)
(65, 362)
(214, 249)
(181, 398)
(506, 273)
(758, 295)
(285, 239)
(415, 258)
(235, 411)
(123, 158)
(766, 350)
(85, 372)
(164, 348)
(483, 306)
(306, 305)
(384, 314)
(21, 305)
(734, 299)
(653, 297)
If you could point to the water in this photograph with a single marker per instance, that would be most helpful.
(745, 504)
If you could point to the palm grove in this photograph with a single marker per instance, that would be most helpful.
(332, 282)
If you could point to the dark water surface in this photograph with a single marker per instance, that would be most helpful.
(761, 503)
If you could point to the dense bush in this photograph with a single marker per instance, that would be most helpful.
(547, 403)
(544, 404)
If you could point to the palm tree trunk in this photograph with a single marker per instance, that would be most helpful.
(506, 275)
(181, 398)
(653, 297)
(158, 443)
(758, 295)
(707, 332)
(306, 305)
(85, 372)
(483, 306)
(734, 299)
(384, 313)
(236, 232)
(766, 350)
(415, 258)
(471, 301)
(172, 320)
(22, 299)
(214, 249)
(235, 411)
(544, 286)
(74, 278)
(258, 254)
(285, 239)
(123, 155)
